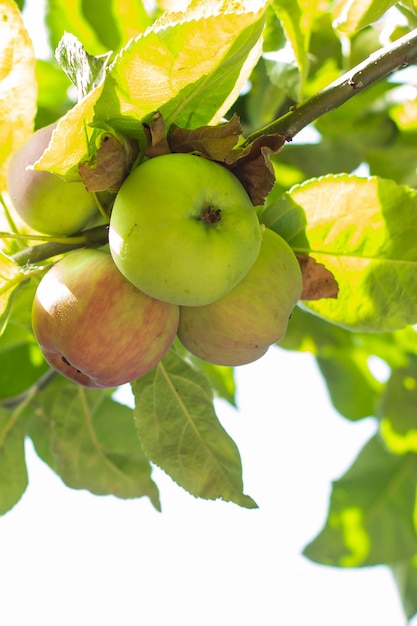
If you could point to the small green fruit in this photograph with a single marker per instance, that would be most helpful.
(240, 327)
(44, 201)
(183, 229)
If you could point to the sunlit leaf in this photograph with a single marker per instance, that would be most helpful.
(84, 70)
(11, 276)
(180, 432)
(100, 26)
(18, 87)
(370, 519)
(164, 70)
(127, 20)
(397, 410)
(13, 473)
(67, 16)
(343, 359)
(70, 141)
(297, 18)
(352, 15)
(365, 232)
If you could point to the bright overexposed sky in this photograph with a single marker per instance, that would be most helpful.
(68, 557)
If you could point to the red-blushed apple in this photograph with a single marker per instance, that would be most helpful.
(183, 229)
(94, 326)
(240, 327)
(44, 201)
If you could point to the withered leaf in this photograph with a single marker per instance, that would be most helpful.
(212, 142)
(252, 166)
(318, 281)
(156, 138)
(108, 168)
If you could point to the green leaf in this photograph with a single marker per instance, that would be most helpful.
(405, 576)
(397, 410)
(352, 15)
(84, 70)
(67, 16)
(180, 432)
(18, 86)
(13, 473)
(53, 99)
(370, 519)
(343, 359)
(100, 26)
(297, 18)
(20, 367)
(164, 70)
(343, 373)
(21, 360)
(192, 89)
(364, 232)
(92, 441)
(11, 275)
(221, 378)
(127, 20)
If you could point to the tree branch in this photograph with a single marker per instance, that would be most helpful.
(93, 237)
(378, 65)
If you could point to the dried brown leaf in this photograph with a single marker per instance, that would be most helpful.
(155, 133)
(252, 166)
(212, 142)
(318, 281)
(108, 168)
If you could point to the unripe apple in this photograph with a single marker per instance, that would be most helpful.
(94, 326)
(183, 229)
(240, 327)
(44, 201)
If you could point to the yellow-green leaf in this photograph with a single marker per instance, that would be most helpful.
(189, 66)
(11, 276)
(190, 54)
(13, 473)
(297, 17)
(365, 232)
(18, 86)
(352, 15)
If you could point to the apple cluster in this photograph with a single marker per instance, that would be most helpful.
(186, 257)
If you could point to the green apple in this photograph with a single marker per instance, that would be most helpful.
(44, 201)
(240, 327)
(94, 327)
(183, 229)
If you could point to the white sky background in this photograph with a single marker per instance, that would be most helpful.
(68, 557)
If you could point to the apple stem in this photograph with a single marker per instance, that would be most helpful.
(102, 210)
(210, 215)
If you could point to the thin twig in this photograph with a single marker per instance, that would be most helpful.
(94, 237)
(380, 64)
